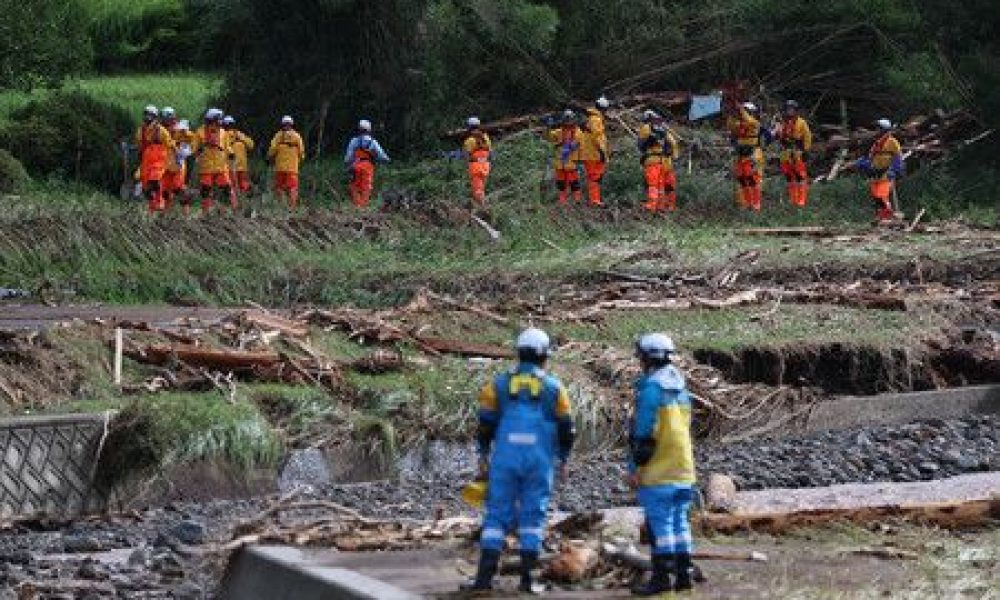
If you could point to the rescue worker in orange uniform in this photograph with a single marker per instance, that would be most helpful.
(242, 145)
(566, 140)
(213, 155)
(658, 149)
(363, 151)
(744, 132)
(477, 149)
(155, 144)
(175, 177)
(594, 149)
(796, 140)
(883, 165)
(287, 151)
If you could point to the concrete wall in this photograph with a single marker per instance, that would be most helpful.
(285, 573)
(48, 465)
(895, 409)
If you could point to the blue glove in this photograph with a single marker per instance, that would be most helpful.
(549, 121)
(864, 165)
(566, 151)
(766, 137)
(453, 155)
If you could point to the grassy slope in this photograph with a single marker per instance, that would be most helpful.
(186, 92)
(59, 240)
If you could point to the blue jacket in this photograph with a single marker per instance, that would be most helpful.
(367, 143)
(662, 451)
(526, 407)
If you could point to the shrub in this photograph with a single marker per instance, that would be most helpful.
(69, 135)
(41, 42)
(13, 177)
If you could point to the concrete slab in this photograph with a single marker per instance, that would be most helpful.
(284, 573)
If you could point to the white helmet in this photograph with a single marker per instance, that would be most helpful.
(534, 340)
(168, 113)
(603, 103)
(649, 115)
(750, 106)
(656, 346)
(473, 122)
(213, 114)
(287, 120)
(568, 115)
(365, 125)
(151, 111)
(228, 120)
(184, 125)
(884, 124)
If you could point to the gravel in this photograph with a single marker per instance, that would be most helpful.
(133, 554)
(919, 451)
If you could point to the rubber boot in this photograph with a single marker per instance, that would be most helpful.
(682, 574)
(489, 561)
(660, 580)
(529, 560)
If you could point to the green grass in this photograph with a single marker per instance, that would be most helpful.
(97, 248)
(189, 93)
(734, 328)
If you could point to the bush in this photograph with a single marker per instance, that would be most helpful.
(69, 135)
(146, 35)
(41, 42)
(13, 177)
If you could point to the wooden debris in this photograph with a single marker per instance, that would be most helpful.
(378, 362)
(579, 524)
(461, 348)
(272, 322)
(221, 360)
(886, 552)
(479, 312)
(950, 515)
(806, 231)
(573, 564)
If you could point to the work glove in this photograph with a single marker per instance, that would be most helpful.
(864, 165)
(549, 121)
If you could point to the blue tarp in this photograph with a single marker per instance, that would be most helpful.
(704, 106)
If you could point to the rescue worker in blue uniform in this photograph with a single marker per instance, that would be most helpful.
(525, 436)
(661, 468)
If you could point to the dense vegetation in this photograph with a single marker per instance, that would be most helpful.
(418, 67)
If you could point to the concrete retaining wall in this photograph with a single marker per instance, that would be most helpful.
(896, 409)
(284, 573)
(48, 465)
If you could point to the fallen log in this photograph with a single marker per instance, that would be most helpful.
(949, 515)
(221, 360)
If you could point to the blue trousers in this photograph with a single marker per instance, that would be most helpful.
(667, 507)
(519, 491)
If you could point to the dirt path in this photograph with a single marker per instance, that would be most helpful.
(38, 316)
